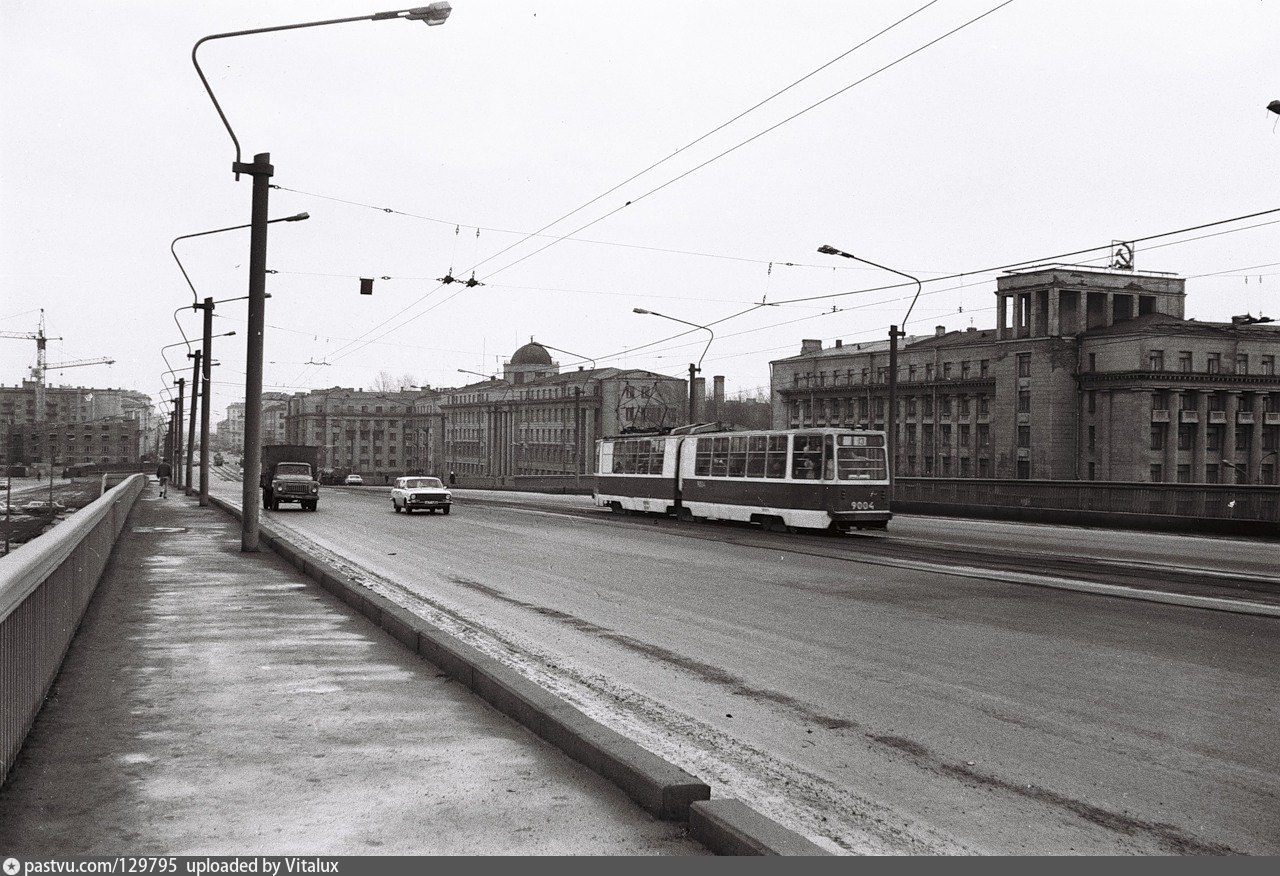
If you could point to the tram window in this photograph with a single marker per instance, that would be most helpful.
(806, 457)
(638, 456)
(776, 460)
(719, 457)
(860, 463)
(757, 448)
(702, 460)
(737, 456)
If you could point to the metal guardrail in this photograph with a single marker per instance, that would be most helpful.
(44, 589)
(1203, 507)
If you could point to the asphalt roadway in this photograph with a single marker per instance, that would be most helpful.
(215, 702)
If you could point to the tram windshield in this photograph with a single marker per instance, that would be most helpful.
(860, 458)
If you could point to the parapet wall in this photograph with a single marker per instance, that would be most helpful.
(45, 587)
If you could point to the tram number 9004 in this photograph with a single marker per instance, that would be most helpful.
(861, 506)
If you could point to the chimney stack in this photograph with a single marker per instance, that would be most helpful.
(717, 392)
(939, 331)
(810, 345)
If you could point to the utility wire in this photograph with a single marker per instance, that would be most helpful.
(679, 177)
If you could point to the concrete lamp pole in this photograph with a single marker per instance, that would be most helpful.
(206, 351)
(261, 171)
(891, 421)
(694, 369)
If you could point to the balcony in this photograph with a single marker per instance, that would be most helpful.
(1271, 419)
(1159, 416)
(1217, 416)
(1188, 416)
(1244, 418)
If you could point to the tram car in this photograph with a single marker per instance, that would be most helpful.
(780, 479)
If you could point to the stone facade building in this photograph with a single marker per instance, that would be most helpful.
(67, 405)
(537, 421)
(357, 430)
(104, 441)
(1090, 374)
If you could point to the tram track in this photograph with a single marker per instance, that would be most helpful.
(888, 549)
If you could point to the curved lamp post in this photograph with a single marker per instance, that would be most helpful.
(694, 369)
(207, 349)
(891, 421)
(261, 171)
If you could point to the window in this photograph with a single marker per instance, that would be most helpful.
(984, 468)
(1157, 473)
(964, 435)
(642, 456)
(1213, 438)
(984, 366)
(1024, 401)
(1268, 365)
(946, 370)
(806, 457)
(1093, 361)
(946, 435)
(1024, 436)
(984, 405)
(1024, 364)
(1160, 400)
(911, 373)
(964, 369)
(1212, 473)
(1092, 475)
(964, 405)
(945, 402)
(1157, 437)
(1155, 360)
(928, 371)
(1184, 360)
(1184, 473)
(1186, 436)
(984, 436)
(1212, 364)
(1024, 469)
(1242, 364)
(1093, 440)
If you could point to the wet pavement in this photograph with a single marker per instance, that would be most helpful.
(216, 702)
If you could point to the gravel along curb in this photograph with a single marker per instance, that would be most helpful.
(726, 827)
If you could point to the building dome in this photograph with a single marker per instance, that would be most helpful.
(531, 353)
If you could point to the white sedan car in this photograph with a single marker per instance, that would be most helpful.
(410, 494)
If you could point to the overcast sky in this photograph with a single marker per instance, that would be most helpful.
(1041, 129)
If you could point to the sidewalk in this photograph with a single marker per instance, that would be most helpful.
(216, 702)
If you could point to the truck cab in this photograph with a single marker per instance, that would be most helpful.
(289, 475)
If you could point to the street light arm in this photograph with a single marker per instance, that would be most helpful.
(432, 14)
(826, 249)
(685, 322)
(195, 296)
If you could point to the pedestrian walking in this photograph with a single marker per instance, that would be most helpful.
(164, 471)
(453, 479)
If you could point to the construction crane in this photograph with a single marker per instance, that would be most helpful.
(41, 367)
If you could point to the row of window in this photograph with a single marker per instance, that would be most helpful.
(853, 376)
(1213, 362)
(1214, 436)
(1214, 401)
(1213, 473)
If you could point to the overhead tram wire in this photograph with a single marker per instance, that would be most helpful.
(976, 272)
(681, 176)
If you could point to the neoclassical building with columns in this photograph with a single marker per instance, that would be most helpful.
(1089, 374)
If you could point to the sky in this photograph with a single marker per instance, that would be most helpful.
(574, 158)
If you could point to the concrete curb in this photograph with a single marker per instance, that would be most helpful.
(730, 827)
(658, 786)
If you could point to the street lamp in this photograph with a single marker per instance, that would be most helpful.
(694, 369)
(207, 349)
(261, 171)
(176, 441)
(894, 333)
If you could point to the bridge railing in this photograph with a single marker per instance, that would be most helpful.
(1239, 508)
(45, 587)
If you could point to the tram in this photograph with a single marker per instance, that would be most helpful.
(780, 479)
